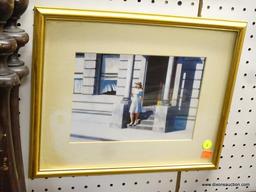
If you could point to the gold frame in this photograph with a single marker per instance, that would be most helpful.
(44, 14)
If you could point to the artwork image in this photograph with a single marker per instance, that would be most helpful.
(118, 97)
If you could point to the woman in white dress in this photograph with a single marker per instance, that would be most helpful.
(136, 105)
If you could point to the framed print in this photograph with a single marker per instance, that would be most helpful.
(127, 92)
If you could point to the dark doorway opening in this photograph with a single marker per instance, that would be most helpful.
(155, 79)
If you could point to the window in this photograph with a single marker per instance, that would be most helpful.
(78, 84)
(107, 69)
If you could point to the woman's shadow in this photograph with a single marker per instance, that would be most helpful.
(146, 114)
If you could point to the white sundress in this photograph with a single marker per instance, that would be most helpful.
(136, 105)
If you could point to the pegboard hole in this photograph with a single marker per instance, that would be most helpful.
(179, 3)
(232, 8)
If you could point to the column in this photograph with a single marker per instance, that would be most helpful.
(160, 119)
(168, 80)
(18, 66)
(9, 178)
(176, 87)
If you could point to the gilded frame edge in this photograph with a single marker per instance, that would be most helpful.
(42, 14)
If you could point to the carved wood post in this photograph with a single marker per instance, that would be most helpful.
(8, 79)
(17, 65)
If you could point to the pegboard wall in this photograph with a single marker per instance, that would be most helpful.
(238, 160)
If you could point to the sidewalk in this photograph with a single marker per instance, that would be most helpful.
(91, 127)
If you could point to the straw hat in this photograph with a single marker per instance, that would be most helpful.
(138, 83)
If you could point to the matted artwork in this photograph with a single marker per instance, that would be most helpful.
(126, 92)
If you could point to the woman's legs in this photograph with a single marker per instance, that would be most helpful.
(137, 118)
(131, 118)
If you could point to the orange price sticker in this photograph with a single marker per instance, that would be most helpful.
(206, 154)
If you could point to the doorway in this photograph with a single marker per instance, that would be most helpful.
(155, 79)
